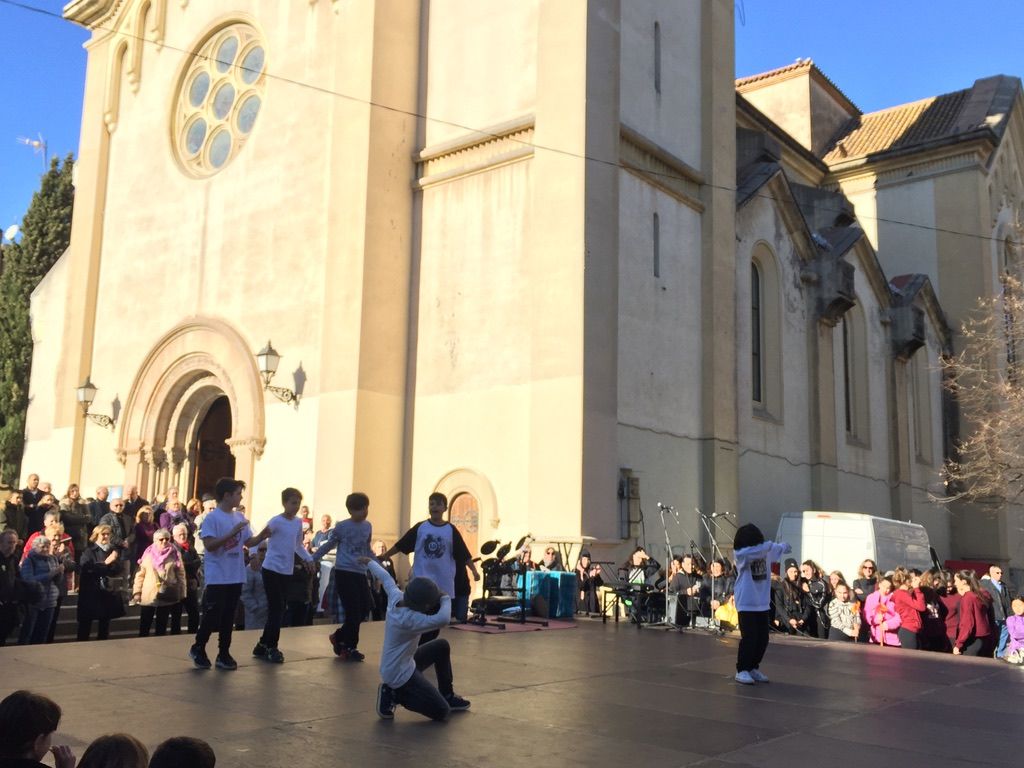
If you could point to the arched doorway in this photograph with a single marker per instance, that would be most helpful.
(198, 387)
(213, 458)
(464, 514)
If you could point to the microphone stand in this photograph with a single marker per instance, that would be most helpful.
(712, 621)
(666, 620)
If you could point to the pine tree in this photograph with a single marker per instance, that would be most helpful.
(46, 232)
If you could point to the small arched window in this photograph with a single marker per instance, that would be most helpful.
(766, 346)
(756, 336)
(657, 57)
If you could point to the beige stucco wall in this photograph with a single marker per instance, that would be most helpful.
(774, 447)
(671, 118)
(47, 445)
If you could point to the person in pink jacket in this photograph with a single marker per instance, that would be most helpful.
(1015, 627)
(880, 613)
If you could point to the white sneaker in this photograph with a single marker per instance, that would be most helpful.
(759, 676)
(745, 678)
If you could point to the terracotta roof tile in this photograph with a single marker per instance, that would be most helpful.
(771, 74)
(902, 126)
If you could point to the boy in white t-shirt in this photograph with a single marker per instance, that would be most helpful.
(422, 608)
(285, 534)
(224, 533)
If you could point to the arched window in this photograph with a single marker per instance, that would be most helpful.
(765, 334)
(854, 351)
(656, 247)
(756, 336)
(921, 386)
(657, 57)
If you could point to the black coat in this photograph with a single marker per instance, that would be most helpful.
(95, 602)
(16, 519)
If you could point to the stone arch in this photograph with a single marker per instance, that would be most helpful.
(470, 481)
(185, 372)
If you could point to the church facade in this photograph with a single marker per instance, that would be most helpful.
(562, 269)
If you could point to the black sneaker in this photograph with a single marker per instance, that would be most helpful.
(456, 703)
(274, 656)
(224, 661)
(385, 702)
(354, 655)
(336, 644)
(260, 651)
(199, 657)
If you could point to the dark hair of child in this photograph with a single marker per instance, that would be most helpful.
(290, 493)
(356, 501)
(119, 750)
(748, 535)
(436, 496)
(178, 751)
(24, 717)
(227, 486)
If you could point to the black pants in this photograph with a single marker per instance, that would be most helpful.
(354, 594)
(219, 604)
(85, 627)
(839, 635)
(8, 621)
(190, 607)
(52, 630)
(297, 614)
(753, 640)
(975, 646)
(276, 586)
(161, 613)
(907, 638)
(418, 695)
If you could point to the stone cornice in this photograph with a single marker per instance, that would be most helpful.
(660, 168)
(973, 156)
(91, 13)
(476, 152)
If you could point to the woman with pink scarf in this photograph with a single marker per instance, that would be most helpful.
(880, 613)
(159, 583)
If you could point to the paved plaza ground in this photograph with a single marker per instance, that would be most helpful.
(604, 695)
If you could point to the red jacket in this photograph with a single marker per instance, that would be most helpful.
(952, 602)
(973, 619)
(909, 604)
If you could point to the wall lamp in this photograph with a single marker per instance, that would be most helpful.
(267, 359)
(86, 394)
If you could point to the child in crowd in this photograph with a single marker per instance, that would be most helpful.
(753, 597)
(844, 619)
(224, 532)
(285, 543)
(352, 538)
(179, 751)
(27, 724)
(1015, 627)
(422, 608)
(118, 750)
(254, 596)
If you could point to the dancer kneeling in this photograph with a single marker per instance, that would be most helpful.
(422, 608)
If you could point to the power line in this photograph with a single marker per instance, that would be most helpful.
(486, 133)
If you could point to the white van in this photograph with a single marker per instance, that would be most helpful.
(843, 540)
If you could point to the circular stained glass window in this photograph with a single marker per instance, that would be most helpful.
(247, 113)
(219, 99)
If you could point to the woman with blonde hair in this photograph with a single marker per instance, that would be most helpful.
(159, 583)
(98, 600)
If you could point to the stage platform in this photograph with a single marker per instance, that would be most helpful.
(602, 695)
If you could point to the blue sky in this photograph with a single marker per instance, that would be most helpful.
(880, 53)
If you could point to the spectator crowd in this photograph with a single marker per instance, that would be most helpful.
(115, 552)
